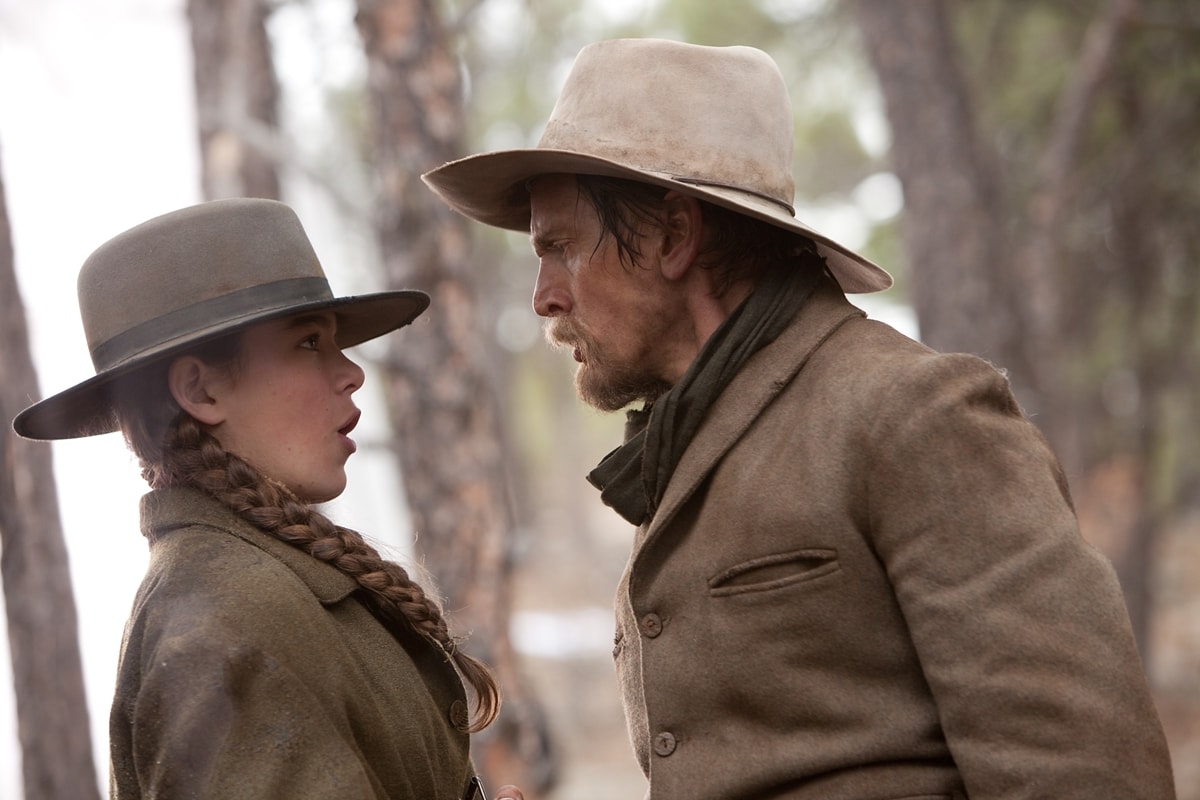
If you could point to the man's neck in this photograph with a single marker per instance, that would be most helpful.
(708, 312)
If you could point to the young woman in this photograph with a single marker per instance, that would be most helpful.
(270, 652)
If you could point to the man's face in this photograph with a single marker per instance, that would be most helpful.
(616, 318)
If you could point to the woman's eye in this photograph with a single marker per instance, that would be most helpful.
(312, 342)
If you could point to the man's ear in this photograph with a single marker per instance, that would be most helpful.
(682, 231)
(189, 380)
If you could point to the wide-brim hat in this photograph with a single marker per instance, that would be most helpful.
(712, 122)
(191, 276)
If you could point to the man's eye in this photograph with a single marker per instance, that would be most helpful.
(312, 342)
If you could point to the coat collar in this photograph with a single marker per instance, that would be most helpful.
(752, 390)
(164, 510)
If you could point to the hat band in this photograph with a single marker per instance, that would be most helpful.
(731, 187)
(229, 308)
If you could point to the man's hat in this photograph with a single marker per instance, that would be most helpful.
(711, 122)
(190, 276)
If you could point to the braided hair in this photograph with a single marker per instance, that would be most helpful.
(186, 454)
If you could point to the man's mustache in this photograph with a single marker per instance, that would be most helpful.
(562, 332)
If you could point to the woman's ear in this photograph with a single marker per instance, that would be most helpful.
(682, 228)
(189, 380)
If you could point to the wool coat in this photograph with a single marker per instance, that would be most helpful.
(865, 580)
(250, 669)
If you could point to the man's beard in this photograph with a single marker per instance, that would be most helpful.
(599, 382)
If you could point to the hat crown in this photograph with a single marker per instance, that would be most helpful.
(191, 271)
(714, 123)
(716, 116)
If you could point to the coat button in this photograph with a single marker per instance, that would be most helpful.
(664, 744)
(458, 715)
(652, 625)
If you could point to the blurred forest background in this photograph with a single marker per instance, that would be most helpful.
(1029, 171)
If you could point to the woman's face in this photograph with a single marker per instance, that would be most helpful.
(286, 407)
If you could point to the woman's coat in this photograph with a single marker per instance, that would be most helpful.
(250, 669)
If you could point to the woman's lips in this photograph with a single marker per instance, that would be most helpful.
(344, 432)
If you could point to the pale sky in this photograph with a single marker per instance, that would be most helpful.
(97, 134)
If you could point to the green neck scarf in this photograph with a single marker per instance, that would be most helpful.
(633, 477)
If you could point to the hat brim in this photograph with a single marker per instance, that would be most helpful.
(86, 408)
(491, 188)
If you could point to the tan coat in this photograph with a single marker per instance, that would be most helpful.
(251, 670)
(866, 580)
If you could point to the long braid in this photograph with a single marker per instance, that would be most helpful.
(192, 456)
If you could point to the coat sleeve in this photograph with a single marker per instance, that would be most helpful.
(210, 713)
(1019, 624)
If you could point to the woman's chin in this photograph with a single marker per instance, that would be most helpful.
(315, 495)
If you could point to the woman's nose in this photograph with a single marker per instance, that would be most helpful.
(352, 374)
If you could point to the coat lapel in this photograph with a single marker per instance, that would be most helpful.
(752, 390)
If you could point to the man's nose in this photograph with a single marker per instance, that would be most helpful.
(550, 295)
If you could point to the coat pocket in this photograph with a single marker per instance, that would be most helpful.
(774, 571)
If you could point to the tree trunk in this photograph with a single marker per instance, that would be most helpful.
(442, 402)
(951, 196)
(52, 714)
(1154, 356)
(1028, 307)
(1038, 262)
(237, 98)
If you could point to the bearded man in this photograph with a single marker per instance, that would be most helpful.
(857, 572)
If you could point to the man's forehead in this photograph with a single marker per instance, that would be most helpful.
(549, 179)
(553, 201)
(555, 187)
